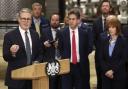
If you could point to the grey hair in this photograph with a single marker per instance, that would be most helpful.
(24, 10)
(36, 4)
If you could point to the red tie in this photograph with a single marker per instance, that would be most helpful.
(74, 56)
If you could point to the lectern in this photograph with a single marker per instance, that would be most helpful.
(37, 74)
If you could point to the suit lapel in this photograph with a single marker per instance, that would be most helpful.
(19, 39)
(67, 36)
(101, 24)
(107, 47)
(116, 47)
(80, 37)
(50, 34)
(33, 24)
(57, 34)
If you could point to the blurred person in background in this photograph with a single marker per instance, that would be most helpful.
(66, 21)
(112, 56)
(38, 20)
(50, 46)
(99, 26)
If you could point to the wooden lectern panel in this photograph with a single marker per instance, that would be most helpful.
(42, 83)
(29, 72)
(64, 66)
(36, 71)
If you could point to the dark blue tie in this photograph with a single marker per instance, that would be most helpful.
(28, 48)
(104, 24)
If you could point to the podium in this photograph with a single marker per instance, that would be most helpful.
(37, 74)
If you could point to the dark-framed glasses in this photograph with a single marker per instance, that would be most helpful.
(25, 19)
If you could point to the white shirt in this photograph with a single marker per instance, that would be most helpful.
(22, 32)
(77, 43)
(53, 33)
(36, 20)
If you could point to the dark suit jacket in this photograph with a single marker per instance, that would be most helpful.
(88, 29)
(49, 53)
(125, 30)
(65, 49)
(116, 62)
(43, 24)
(14, 37)
(97, 30)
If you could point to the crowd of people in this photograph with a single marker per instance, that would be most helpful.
(43, 40)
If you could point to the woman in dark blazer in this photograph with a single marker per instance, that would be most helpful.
(112, 56)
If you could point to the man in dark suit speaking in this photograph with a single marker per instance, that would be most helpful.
(73, 44)
(20, 48)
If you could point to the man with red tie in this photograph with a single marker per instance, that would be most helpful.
(73, 44)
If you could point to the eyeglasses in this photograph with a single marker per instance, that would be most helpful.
(25, 19)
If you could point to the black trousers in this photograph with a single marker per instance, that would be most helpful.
(54, 82)
(98, 71)
(99, 78)
(108, 83)
(74, 79)
(27, 85)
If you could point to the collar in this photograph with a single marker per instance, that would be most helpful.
(103, 17)
(53, 29)
(23, 31)
(75, 30)
(36, 20)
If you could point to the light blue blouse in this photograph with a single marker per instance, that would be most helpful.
(111, 46)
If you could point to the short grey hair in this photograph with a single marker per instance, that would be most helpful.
(24, 10)
(36, 4)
